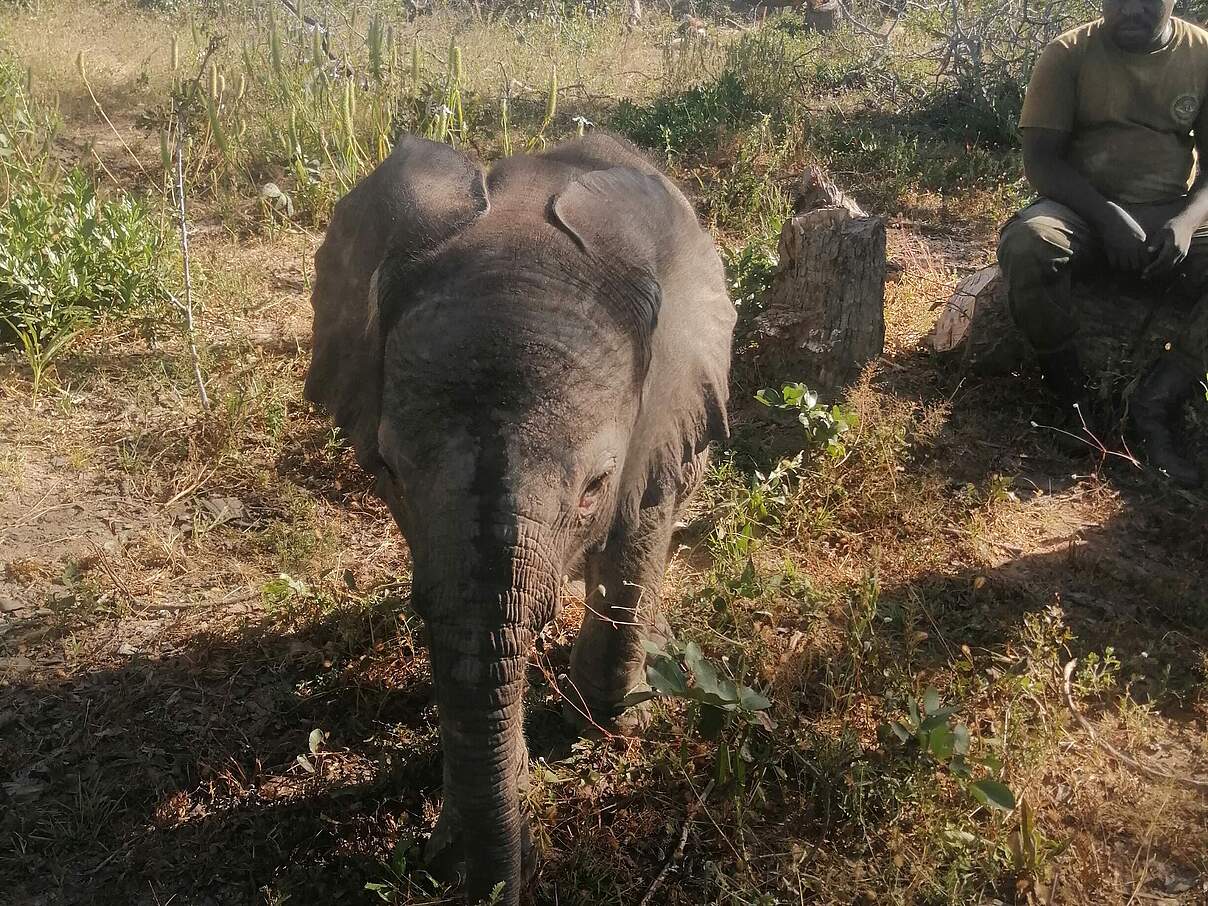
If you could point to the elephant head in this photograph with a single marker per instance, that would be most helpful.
(524, 359)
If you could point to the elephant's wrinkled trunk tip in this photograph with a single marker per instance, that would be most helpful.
(479, 680)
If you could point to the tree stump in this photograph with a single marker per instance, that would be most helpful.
(822, 15)
(1123, 330)
(817, 15)
(824, 316)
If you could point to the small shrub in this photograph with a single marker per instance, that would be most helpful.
(786, 65)
(928, 730)
(690, 121)
(688, 675)
(27, 129)
(744, 197)
(720, 710)
(750, 269)
(747, 506)
(68, 256)
(825, 426)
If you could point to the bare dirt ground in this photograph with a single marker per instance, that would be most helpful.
(185, 597)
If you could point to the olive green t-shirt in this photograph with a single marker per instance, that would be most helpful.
(1130, 115)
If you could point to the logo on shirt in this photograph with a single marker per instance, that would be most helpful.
(1184, 109)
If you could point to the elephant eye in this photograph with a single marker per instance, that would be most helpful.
(592, 494)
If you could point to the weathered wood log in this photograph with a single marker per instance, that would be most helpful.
(824, 318)
(1122, 332)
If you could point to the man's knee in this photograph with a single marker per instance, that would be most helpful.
(1032, 247)
(1034, 253)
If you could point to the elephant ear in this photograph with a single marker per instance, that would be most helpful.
(671, 292)
(604, 212)
(421, 196)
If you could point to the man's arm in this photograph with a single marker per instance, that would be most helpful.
(1046, 166)
(1169, 246)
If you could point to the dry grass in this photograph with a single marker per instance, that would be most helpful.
(159, 678)
(127, 55)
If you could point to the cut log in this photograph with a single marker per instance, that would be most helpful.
(975, 325)
(824, 316)
(1122, 331)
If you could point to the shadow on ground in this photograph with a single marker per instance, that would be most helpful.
(179, 774)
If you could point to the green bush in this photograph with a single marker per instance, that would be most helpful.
(690, 121)
(895, 153)
(824, 426)
(67, 255)
(27, 130)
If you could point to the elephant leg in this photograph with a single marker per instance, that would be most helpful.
(623, 592)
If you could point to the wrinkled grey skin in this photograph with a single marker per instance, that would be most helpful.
(532, 361)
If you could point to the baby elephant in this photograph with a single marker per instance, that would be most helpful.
(532, 361)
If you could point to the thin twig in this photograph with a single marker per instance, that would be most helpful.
(1191, 783)
(678, 852)
(191, 488)
(187, 307)
(102, 560)
(105, 169)
(581, 708)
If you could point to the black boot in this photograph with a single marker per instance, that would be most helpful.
(1064, 377)
(1155, 412)
(1075, 425)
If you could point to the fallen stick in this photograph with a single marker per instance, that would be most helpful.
(678, 852)
(1191, 783)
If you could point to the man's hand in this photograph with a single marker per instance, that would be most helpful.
(1045, 163)
(1124, 241)
(1169, 246)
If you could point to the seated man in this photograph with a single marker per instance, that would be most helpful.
(1114, 113)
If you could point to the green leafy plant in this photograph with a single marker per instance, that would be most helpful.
(685, 673)
(1097, 673)
(68, 256)
(825, 426)
(41, 348)
(314, 742)
(403, 875)
(929, 730)
(283, 590)
(1031, 851)
(717, 703)
(746, 506)
(687, 122)
(750, 269)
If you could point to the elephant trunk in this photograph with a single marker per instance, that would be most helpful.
(481, 730)
(479, 653)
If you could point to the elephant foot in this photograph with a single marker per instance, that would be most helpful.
(588, 712)
(588, 718)
(444, 854)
